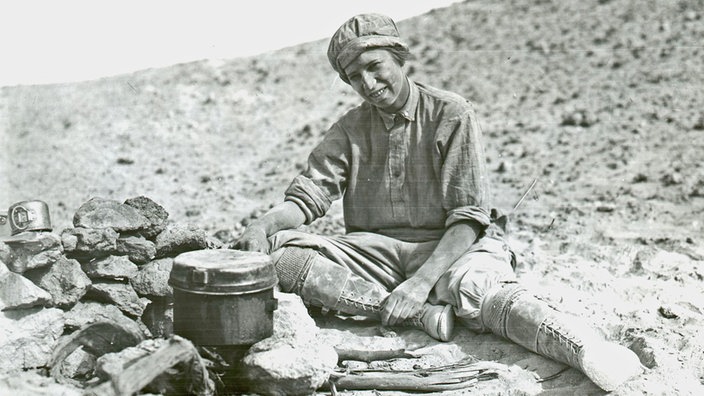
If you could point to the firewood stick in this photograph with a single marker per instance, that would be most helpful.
(452, 377)
(144, 370)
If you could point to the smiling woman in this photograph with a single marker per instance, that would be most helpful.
(78, 40)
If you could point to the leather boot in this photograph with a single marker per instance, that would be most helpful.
(323, 283)
(510, 311)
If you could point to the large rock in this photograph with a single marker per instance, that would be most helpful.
(28, 337)
(178, 238)
(289, 369)
(137, 248)
(152, 279)
(120, 294)
(64, 280)
(111, 267)
(87, 312)
(154, 212)
(106, 213)
(292, 361)
(16, 291)
(29, 250)
(89, 242)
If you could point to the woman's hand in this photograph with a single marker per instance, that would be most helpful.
(405, 301)
(254, 239)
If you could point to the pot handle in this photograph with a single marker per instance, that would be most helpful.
(3, 219)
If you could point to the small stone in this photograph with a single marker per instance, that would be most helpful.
(106, 213)
(111, 267)
(152, 279)
(31, 249)
(89, 242)
(120, 294)
(137, 248)
(28, 337)
(79, 364)
(178, 238)
(64, 280)
(16, 291)
(154, 212)
(291, 318)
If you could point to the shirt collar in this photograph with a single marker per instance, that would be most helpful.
(408, 111)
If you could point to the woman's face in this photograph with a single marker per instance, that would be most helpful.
(379, 79)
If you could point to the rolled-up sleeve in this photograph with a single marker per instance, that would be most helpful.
(463, 175)
(325, 178)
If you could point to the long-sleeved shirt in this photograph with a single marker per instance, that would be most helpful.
(408, 175)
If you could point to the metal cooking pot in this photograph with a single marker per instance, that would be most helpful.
(27, 216)
(223, 297)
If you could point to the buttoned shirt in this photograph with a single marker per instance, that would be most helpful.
(408, 175)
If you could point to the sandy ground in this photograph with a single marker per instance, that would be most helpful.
(602, 101)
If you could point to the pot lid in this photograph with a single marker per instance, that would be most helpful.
(222, 271)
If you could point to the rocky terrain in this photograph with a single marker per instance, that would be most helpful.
(601, 101)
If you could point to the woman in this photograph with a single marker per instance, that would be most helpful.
(422, 244)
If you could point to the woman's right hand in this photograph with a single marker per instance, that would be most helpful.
(254, 239)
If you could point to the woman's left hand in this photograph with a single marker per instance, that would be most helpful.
(405, 301)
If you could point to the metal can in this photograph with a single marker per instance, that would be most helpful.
(223, 297)
(27, 216)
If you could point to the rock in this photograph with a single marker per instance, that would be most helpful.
(292, 361)
(113, 364)
(89, 242)
(16, 291)
(137, 248)
(287, 369)
(106, 213)
(79, 364)
(120, 294)
(156, 214)
(31, 383)
(28, 337)
(64, 280)
(291, 318)
(5, 253)
(178, 238)
(87, 312)
(111, 267)
(33, 249)
(152, 279)
(159, 316)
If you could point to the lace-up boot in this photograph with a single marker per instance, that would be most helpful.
(510, 311)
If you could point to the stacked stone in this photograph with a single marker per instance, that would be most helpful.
(113, 265)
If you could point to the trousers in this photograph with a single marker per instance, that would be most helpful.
(388, 262)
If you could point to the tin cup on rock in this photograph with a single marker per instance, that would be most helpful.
(223, 297)
(27, 216)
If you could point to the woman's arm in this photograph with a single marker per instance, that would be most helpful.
(283, 216)
(408, 298)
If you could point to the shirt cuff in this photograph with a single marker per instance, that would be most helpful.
(309, 197)
(464, 213)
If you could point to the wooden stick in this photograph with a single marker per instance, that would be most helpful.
(451, 377)
(144, 370)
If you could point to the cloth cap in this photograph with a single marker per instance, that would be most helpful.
(358, 34)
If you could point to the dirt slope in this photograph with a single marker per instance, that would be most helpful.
(603, 101)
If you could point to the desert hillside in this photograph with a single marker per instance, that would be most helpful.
(602, 101)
